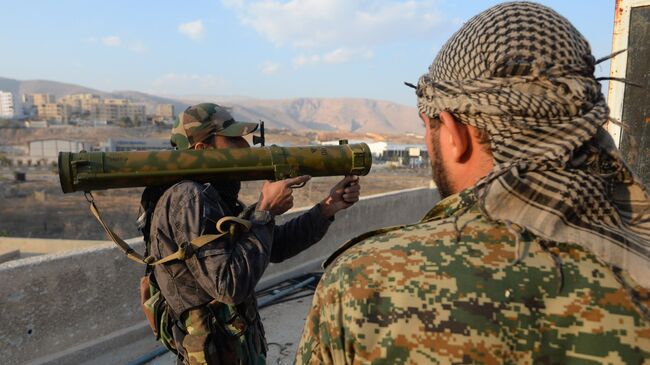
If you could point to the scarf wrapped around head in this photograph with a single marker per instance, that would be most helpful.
(524, 74)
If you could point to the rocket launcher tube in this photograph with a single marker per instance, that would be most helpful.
(88, 171)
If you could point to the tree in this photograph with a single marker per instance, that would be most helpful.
(125, 122)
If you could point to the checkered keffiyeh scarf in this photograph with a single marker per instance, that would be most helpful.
(524, 74)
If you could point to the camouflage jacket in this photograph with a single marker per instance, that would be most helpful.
(451, 289)
(226, 270)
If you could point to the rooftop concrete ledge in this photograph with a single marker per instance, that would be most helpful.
(82, 306)
(8, 255)
(41, 246)
(36, 252)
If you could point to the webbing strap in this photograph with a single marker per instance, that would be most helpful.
(128, 250)
(201, 241)
(183, 251)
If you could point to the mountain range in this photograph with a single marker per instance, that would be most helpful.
(318, 114)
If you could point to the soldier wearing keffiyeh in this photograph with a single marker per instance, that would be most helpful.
(540, 251)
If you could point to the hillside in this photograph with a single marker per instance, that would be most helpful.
(58, 89)
(352, 115)
(349, 115)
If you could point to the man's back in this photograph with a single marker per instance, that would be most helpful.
(451, 290)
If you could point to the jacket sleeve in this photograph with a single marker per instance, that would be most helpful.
(229, 268)
(298, 234)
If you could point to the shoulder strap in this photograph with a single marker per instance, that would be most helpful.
(121, 244)
(184, 251)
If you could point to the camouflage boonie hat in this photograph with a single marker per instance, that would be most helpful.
(200, 121)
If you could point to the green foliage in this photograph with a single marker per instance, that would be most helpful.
(4, 160)
(125, 122)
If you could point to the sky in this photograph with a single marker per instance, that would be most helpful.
(269, 49)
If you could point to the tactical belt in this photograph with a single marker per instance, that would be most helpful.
(185, 251)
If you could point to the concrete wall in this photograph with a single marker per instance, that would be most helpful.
(39, 246)
(372, 212)
(82, 306)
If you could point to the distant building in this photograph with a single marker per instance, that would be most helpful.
(377, 149)
(36, 124)
(46, 151)
(414, 155)
(93, 107)
(14, 150)
(31, 103)
(91, 123)
(165, 111)
(112, 145)
(53, 111)
(36, 99)
(116, 110)
(7, 106)
(81, 103)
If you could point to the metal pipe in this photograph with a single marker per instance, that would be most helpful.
(269, 300)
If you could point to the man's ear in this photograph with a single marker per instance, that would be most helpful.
(200, 146)
(457, 134)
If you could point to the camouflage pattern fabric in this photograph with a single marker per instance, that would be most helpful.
(200, 121)
(219, 334)
(449, 290)
(196, 344)
(109, 170)
(522, 73)
(211, 331)
(212, 292)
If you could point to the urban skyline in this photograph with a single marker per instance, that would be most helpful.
(79, 107)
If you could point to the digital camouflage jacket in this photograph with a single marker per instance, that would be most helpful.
(451, 289)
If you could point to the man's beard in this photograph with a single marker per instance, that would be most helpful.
(439, 173)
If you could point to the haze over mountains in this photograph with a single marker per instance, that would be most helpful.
(318, 114)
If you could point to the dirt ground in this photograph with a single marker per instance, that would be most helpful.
(95, 135)
(38, 208)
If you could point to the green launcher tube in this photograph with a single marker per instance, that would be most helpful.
(89, 171)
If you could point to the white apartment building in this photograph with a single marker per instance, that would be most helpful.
(7, 106)
(47, 150)
(120, 145)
